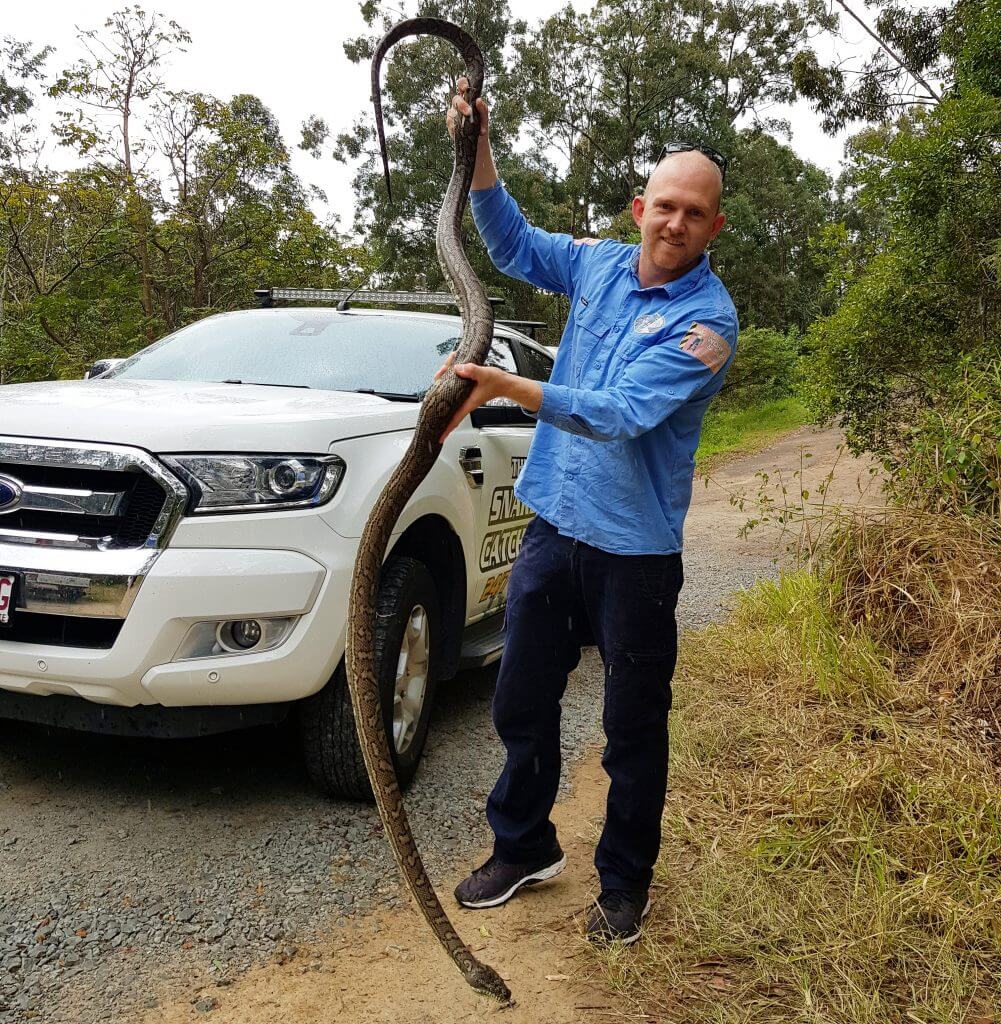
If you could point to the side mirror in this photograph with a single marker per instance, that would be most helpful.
(101, 366)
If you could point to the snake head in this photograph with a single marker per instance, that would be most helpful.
(485, 979)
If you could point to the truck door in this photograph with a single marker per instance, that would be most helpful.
(504, 434)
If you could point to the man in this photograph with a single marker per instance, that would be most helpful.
(650, 335)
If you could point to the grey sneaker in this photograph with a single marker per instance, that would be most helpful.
(617, 916)
(495, 882)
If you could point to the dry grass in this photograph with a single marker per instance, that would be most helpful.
(928, 587)
(832, 847)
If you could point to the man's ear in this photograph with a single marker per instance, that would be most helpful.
(638, 208)
(717, 225)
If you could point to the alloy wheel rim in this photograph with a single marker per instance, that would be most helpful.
(411, 678)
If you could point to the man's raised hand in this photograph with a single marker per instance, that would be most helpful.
(461, 108)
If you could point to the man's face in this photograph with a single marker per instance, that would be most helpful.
(678, 215)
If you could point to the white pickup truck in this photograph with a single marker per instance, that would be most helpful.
(178, 534)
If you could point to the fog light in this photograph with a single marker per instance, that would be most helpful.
(227, 637)
(245, 634)
(238, 636)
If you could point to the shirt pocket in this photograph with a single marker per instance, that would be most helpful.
(592, 328)
(635, 344)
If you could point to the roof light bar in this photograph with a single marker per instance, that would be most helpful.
(528, 327)
(333, 295)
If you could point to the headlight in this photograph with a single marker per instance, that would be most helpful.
(252, 483)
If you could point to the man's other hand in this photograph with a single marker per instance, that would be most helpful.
(490, 382)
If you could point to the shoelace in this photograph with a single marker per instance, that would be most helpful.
(486, 871)
(615, 900)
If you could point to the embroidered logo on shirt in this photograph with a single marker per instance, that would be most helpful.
(586, 241)
(706, 345)
(648, 323)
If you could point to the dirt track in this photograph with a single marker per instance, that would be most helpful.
(385, 967)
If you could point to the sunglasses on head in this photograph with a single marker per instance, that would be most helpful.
(686, 147)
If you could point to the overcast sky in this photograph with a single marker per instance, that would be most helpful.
(290, 55)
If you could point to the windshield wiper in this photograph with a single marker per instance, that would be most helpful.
(393, 396)
(262, 384)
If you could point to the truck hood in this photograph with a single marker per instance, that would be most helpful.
(180, 416)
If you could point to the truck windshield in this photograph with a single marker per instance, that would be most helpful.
(315, 348)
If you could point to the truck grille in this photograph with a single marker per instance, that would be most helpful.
(104, 497)
(61, 630)
(137, 502)
(80, 527)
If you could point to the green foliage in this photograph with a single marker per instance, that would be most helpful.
(899, 73)
(974, 38)
(908, 360)
(765, 368)
(931, 295)
(19, 67)
(952, 462)
(775, 203)
(626, 86)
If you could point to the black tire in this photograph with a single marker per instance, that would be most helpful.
(327, 732)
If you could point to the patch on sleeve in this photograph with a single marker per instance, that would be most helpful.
(706, 345)
(586, 241)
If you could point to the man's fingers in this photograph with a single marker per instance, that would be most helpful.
(461, 108)
(464, 410)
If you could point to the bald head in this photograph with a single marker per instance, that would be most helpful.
(691, 170)
(678, 215)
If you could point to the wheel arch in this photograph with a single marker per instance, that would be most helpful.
(432, 540)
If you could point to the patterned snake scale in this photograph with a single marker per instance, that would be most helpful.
(440, 403)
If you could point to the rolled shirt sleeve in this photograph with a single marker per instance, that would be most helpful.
(653, 386)
(548, 260)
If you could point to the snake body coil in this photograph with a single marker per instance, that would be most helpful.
(439, 405)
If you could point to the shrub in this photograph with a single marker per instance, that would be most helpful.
(951, 459)
(765, 368)
(928, 588)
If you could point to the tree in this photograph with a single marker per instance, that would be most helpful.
(905, 70)
(121, 72)
(632, 74)
(19, 68)
(180, 211)
(920, 289)
(776, 204)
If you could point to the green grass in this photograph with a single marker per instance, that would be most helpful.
(730, 432)
(831, 847)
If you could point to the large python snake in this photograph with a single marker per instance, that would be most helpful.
(440, 403)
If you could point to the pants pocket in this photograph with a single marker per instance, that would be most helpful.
(659, 577)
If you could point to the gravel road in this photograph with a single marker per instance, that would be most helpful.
(126, 866)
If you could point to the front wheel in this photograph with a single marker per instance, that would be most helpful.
(406, 642)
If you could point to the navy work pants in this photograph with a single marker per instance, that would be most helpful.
(561, 593)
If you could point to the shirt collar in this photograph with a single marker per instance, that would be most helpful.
(680, 286)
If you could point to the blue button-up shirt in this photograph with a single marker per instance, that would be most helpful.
(613, 457)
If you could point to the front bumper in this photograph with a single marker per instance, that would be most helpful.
(162, 598)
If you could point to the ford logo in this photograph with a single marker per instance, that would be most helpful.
(10, 494)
